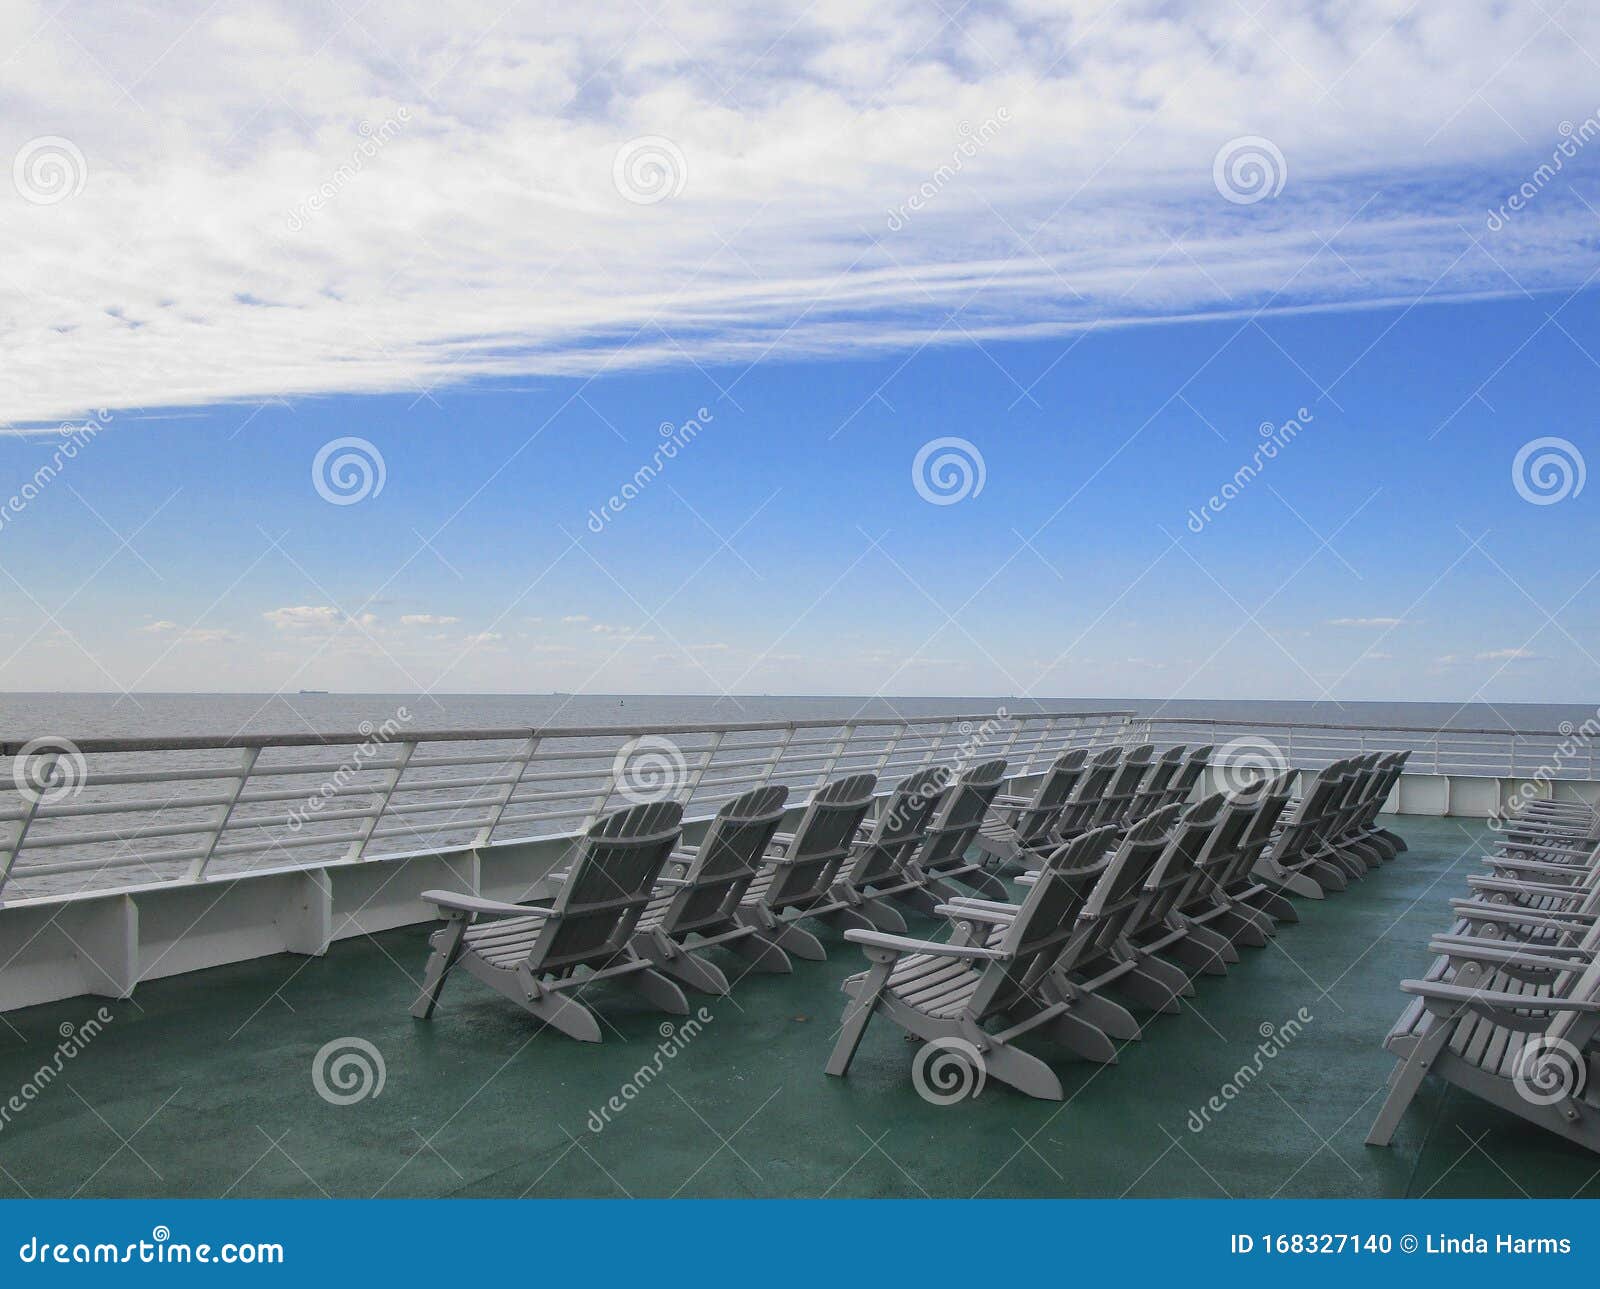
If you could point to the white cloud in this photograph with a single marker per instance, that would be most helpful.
(315, 617)
(1365, 622)
(265, 245)
(426, 620)
(190, 635)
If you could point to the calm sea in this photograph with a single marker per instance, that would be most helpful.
(108, 715)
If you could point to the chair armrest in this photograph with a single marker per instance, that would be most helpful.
(971, 902)
(957, 912)
(454, 903)
(1515, 956)
(1012, 799)
(933, 948)
(1490, 1001)
(1511, 914)
(677, 883)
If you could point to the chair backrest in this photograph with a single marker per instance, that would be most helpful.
(1124, 786)
(1035, 822)
(1258, 813)
(960, 814)
(1308, 826)
(1081, 806)
(1173, 875)
(610, 883)
(899, 829)
(1044, 920)
(1152, 793)
(822, 842)
(1194, 765)
(1110, 906)
(726, 861)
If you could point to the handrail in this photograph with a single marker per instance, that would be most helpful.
(1369, 729)
(205, 742)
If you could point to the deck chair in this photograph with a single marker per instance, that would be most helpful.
(1515, 1027)
(1159, 924)
(1188, 775)
(1389, 841)
(1083, 802)
(1018, 825)
(534, 955)
(942, 859)
(966, 991)
(1299, 860)
(1152, 791)
(877, 870)
(1228, 896)
(799, 882)
(1123, 789)
(697, 906)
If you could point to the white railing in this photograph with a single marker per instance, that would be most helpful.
(1567, 753)
(85, 815)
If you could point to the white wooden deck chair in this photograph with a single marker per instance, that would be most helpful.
(1229, 896)
(696, 906)
(1388, 841)
(1159, 924)
(944, 856)
(1183, 783)
(1348, 839)
(1298, 861)
(973, 989)
(1515, 1027)
(1083, 802)
(542, 957)
(878, 868)
(1019, 825)
(799, 882)
(1157, 783)
(1123, 789)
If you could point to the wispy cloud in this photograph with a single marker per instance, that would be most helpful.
(299, 207)
(1365, 622)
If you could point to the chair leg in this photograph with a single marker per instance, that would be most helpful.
(883, 917)
(802, 944)
(565, 1013)
(857, 1015)
(1023, 1071)
(1404, 1082)
(446, 949)
(761, 954)
(690, 969)
(1079, 1035)
(659, 989)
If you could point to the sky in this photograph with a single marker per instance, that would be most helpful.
(1075, 350)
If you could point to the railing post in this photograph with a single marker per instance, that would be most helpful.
(705, 764)
(358, 847)
(847, 734)
(778, 749)
(197, 869)
(524, 759)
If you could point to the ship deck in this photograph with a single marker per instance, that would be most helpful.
(202, 1086)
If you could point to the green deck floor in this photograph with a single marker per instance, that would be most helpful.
(202, 1086)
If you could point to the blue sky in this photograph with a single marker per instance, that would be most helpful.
(1018, 237)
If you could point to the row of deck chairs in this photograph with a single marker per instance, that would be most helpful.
(1510, 1008)
(1117, 916)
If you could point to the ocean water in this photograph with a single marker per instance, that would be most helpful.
(27, 715)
